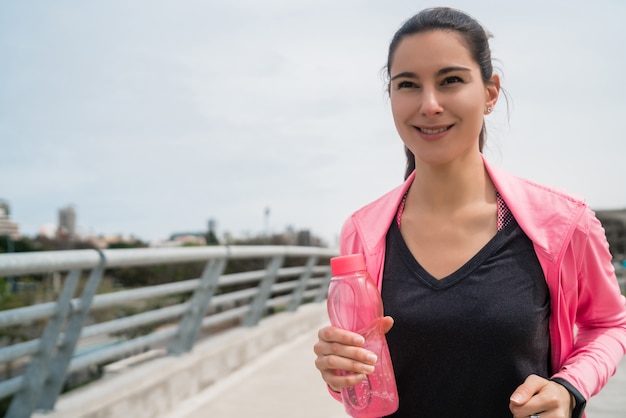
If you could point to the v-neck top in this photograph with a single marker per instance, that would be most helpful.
(462, 344)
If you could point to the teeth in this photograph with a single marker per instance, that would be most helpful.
(433, 131)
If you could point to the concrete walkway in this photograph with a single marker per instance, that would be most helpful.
(284, 383)
(611, 401)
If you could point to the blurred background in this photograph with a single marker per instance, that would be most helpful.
(152, 120)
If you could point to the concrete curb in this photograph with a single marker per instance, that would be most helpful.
(160, 386)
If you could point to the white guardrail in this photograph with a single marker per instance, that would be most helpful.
(172, 317)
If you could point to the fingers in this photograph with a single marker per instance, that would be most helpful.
(387, 323)
(528, 389)
(539, 395)
(333, 334)
(341, 359)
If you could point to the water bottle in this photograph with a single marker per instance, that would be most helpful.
(354, 304)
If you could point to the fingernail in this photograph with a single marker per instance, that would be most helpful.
(359, 340)
(372, 358)
(516, 397)
(368, 369)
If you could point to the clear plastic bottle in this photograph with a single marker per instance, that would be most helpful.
(354, 304)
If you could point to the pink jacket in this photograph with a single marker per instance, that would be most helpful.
(572, 249)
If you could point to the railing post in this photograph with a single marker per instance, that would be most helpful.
(298, 292)
(265, 289)
(58, 368)
(190, 324)
(25, 401)
(323, 293)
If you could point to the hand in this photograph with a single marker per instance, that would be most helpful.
(541, 396)
(341, 351)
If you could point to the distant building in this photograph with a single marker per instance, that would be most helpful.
(48, 230)
(290, 236)
(116, 241)
(67, 223)
(6, 226)
(180, 239)
(614, 224)
(190, 239)
(212, 225)
(304, 238)
(211, 234)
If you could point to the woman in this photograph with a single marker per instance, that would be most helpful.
(485, 275)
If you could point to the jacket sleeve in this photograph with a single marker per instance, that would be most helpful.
(593, 297)
(349, 242)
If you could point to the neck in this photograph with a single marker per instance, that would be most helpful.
(448, 187)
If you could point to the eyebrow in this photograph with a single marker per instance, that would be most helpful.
(443, 71)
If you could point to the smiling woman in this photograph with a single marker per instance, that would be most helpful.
(484, 276)
(431, 72)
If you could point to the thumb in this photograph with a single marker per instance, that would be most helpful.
(387, 323)
(527, 390)
(521, 396)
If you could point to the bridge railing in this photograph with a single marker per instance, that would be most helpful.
(291, 275)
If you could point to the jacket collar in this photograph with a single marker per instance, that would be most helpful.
(545, 215)
(372, 221)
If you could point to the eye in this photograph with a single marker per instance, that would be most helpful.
(452, 80)
(405, 85)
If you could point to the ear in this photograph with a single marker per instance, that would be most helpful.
(492, 92)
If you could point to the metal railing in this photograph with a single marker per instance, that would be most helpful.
(212, 300)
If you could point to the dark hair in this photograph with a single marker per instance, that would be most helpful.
(475, 37)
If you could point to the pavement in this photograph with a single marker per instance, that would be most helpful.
(283, 383)
(611, 401)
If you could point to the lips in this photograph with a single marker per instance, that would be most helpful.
(433, 130)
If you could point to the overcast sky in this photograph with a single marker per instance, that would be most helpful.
(151, 117)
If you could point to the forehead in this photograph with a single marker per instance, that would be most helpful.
(433, 49)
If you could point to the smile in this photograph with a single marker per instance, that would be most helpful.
(432, 131)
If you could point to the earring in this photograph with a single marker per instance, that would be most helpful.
(489, 109)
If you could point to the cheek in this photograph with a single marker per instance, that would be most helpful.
(471, 107)
(400, 107)
(474, 101)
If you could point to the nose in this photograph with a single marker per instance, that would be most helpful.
(430, 105)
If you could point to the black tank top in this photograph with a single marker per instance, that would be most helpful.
(461, 345)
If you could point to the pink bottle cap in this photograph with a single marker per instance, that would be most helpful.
(347, 264)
